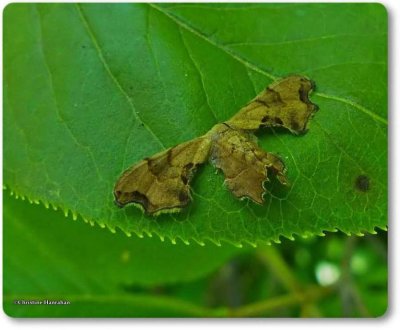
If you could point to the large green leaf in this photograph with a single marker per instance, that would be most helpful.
(101, 274)
(91, 89)
(41, 243)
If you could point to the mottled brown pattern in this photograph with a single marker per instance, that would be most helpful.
(282, 104)
(244, 164)
(161, 183)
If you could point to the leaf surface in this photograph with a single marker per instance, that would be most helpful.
(71, 257)
(91, 89)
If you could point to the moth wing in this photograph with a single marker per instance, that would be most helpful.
(284, 103)
(244, 164)
(162, 181)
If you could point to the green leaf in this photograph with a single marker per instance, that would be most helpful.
(45, 253)
(100, 273)
(91, 89)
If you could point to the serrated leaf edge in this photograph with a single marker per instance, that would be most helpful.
(74, 215)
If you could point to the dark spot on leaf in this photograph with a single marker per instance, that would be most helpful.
(278, 121)
(362, 183)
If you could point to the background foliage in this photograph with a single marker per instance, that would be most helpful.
(47, 256)
(89, 89)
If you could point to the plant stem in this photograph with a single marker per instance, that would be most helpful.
(274, 261)
(262, 307)
(272, 258)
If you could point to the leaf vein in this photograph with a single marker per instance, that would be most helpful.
(107, 68)
(201, 78)
(254, 67)
(57, 107)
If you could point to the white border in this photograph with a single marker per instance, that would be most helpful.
(390, 320)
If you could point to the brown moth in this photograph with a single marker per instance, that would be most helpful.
(161, 183)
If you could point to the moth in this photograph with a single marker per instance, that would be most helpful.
(161, 183)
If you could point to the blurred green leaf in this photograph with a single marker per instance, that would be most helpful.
(48, 255)
(91, 89)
